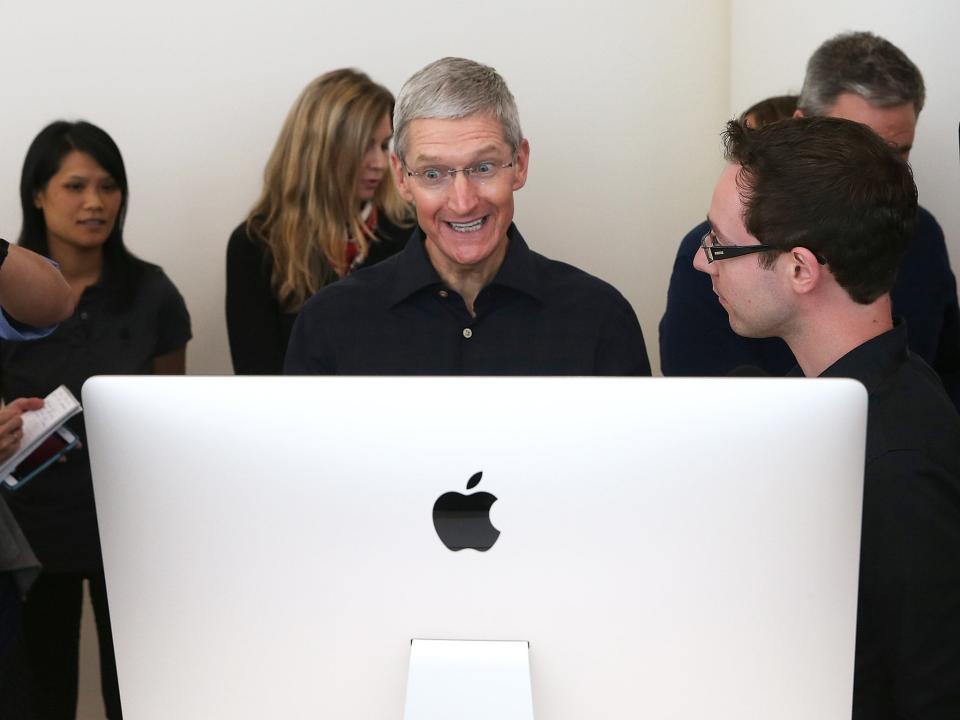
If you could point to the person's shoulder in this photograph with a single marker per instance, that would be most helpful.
(928, 240)
(691, 241)
(391, 232)
(910, 411)
(362, 289)
(561, 280)
(389, 239)
(152, 281)
(150, 272)
(925, 270)
(245, 243)
(922, 382)
(926, 223)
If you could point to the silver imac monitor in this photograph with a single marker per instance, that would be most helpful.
(668, 548)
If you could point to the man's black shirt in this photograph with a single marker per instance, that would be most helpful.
(536, 317)
(908, 622)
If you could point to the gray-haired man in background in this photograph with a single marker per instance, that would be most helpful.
(466, 296)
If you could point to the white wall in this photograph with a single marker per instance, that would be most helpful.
(770, 44)
(621, 102)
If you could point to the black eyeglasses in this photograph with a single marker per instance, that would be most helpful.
(715, 251)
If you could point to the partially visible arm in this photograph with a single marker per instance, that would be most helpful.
(621, 349)
(925, 295)
(908, 619)
(947, 361)
(173, 331)
(32, 291)
(173, 363)
(254, 327)
(309, 351)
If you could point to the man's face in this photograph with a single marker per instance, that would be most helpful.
(896, 125)
(466, 221)
(754, 297)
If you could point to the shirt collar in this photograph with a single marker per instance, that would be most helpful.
(415, 272)
(873, 361)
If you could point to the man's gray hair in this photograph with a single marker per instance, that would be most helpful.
(454, 88)
(864, 64)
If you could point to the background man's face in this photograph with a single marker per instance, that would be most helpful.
(751, 295)
(896, 125)
(465, 222)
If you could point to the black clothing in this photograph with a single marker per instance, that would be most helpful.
(696, 338)
(908, 621)
(117, 328)
(536, 317)
(104, 336)
(257, 327)
(52, 616)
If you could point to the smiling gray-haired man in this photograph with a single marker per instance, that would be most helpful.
(467, 296)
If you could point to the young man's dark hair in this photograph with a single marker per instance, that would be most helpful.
(831, 186)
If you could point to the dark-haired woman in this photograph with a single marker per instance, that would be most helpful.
(129, 319)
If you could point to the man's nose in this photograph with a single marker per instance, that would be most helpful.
(700, 261)
(461, 194)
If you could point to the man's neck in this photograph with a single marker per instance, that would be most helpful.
(829, 333)
(467, 280)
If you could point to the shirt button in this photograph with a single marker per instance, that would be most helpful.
(443, 293)
(467, 333)
(84, 315)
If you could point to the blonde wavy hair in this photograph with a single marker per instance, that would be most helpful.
(308, 207)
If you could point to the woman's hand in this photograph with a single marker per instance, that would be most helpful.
(11, 424)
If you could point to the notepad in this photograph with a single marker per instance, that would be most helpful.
(43, 435)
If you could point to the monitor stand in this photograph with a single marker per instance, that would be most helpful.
(469, 680)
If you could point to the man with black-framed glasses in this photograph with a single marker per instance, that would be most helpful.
(808, 224)
(467, 296)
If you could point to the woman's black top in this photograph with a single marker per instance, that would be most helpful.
(114, 331)
(257, 327)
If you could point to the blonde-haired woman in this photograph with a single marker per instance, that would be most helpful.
(328, 206)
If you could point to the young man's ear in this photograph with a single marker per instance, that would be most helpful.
(805, 271)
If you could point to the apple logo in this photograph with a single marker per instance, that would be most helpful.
(463, 521)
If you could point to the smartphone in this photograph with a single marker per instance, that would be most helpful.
(47, 453)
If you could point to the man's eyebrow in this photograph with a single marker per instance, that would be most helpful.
(486, 150)
(716, 232)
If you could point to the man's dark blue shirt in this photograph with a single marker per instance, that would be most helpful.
(536, 317)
